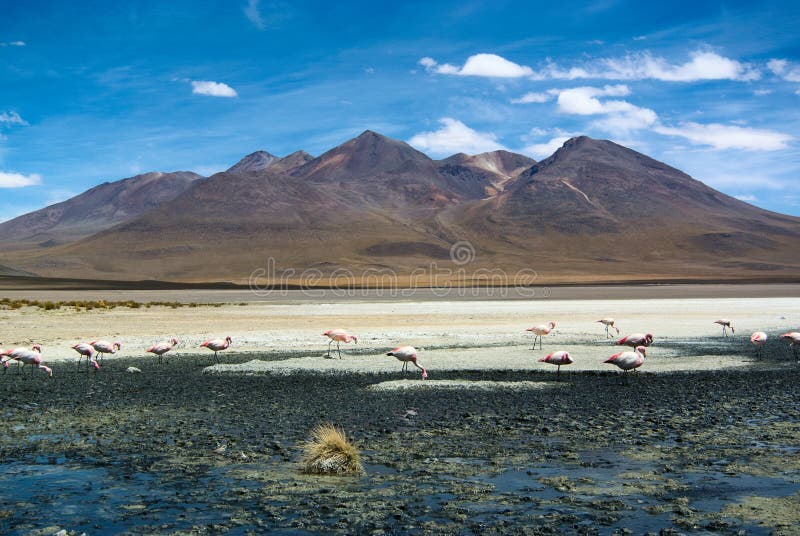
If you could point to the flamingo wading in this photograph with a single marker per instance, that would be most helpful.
(628, 360)
(338, 335)
(636, 339)
(557, 358)
(609, 323)
(408, 354)
(726, 325)
(162, 348)
(104, 347)
(759, 339)
(217, 345)
(540, 331)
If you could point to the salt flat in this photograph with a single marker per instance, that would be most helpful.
(452, 334)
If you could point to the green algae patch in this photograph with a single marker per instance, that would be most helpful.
(780, 513)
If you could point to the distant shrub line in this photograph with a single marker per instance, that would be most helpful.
(88, 305)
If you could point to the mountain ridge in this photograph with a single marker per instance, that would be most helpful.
(594, 210)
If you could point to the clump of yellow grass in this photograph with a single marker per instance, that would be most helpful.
(329, 452)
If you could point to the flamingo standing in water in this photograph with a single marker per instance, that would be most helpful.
(84, 349)
(105, 347)
(34, 359)
(759, 338)
(162, 348)
(338, 335)
(15, 353)
(609, 323)
(636, 339)
(408, 354)
(540, 331)
(726, 325)
(557, 358)
(794, 342)
(628, 360)
(217, 345)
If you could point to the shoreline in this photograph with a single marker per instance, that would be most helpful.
(318, 295)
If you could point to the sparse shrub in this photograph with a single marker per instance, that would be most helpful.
(329, 452)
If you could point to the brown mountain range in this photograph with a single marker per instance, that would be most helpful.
(96, 209)
(593, 211)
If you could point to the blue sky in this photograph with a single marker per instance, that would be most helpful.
(98, 91)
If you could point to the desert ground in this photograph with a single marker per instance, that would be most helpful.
(703, 440)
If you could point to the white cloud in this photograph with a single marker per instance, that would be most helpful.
(728, 136)
(702, 65)
(13, 44)
(761, 92)
(488, 65)
(620, 116)
(746, 198)
(253, 14)
(784, 69)
(542, 150)
(18, 180)
(12, 118)
(212, 89)
(532, 97)
(455, 137)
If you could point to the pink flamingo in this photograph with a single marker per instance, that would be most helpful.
(609, 323)
(162, 348)
(34, 359)
(338, 335)
(726, 324)
(14, 354)
(637, 339)
(759, 338)
(217, 345)
(628, 360)
(794, 341)
(408, 354)
(84, 350)
(540, 331)
(557, 358)
(105, 347)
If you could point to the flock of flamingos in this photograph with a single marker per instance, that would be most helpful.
(95, 350)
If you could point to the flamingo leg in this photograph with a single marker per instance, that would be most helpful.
(338, 350)
(329, 348)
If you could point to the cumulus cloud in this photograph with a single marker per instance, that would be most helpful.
(784, 69)
(11, 118)
(728, 136)
(488, 65)
(620, 116)
(746, 198)
(18, 180)
(13, 44)
(212, 89)
(532, 97)
(455, 137)
(702, 65)
(542, 150)
(253, 14)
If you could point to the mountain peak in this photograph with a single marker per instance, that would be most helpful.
(256, 161)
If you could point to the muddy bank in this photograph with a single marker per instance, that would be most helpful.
(172, 450)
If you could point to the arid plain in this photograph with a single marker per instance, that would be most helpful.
(494, 441)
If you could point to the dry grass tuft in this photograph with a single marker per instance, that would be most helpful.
(329, 452)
